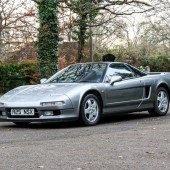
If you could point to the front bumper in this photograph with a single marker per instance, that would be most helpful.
(64, 115)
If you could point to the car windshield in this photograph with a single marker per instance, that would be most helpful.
(89, 72)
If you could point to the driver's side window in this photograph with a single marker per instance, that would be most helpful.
(119, 69)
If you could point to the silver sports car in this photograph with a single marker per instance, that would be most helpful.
(87, 91)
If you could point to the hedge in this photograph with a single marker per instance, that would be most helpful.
(158, 63)
(14, 75)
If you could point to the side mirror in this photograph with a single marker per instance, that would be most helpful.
(115, 79)
(43, 80)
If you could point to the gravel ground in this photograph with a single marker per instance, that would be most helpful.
(128, 142)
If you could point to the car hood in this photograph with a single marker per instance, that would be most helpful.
(36, 92)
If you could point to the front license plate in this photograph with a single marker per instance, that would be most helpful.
(22, 112)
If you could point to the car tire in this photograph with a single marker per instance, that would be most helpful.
(161, 103)
(22, 123)
(90, 110)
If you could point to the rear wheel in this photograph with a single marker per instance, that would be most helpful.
(22, 123)
(161, 104)
(90, 110)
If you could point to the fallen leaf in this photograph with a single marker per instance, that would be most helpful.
(40, 166)
(120, 157)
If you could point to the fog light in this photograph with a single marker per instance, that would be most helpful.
(3, 113)
(48, 113)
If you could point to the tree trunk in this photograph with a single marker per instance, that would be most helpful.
(81, 37)
(48, 37)
(0, 36)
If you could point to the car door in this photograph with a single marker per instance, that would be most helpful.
(124, 95)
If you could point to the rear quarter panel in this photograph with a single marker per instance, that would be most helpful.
(155, 81)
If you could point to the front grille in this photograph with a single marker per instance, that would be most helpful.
(36, 114)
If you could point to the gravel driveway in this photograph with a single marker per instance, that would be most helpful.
(128, 142)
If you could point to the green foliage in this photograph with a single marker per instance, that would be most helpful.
(48, 37)
(158, 63)
(14, 75)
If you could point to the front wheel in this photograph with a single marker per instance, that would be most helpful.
(90, 110)
(161, 104)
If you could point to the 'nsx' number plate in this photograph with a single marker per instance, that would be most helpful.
(22, 112)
